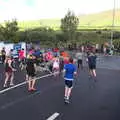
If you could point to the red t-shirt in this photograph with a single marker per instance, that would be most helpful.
(21, 54)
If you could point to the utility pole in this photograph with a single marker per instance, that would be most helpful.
(112, 27)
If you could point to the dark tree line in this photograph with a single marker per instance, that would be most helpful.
(68, 33)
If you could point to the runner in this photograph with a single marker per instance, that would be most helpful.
(9, 71)
(30, 68)
(56, 65)
(79, 57)
(22, 59)
(69, 71)
(61, 63)
(92, 65)
(3, 53)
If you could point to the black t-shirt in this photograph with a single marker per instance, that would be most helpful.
(3, 52)
(30, 65)
(92, 60)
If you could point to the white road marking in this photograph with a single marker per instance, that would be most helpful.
(18, 101)
(54, 116)
(23, 83)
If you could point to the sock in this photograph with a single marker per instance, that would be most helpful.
(67, 97)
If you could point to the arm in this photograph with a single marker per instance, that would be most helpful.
(35, 67)
(10, 65)
(75, 70)
(64, 71)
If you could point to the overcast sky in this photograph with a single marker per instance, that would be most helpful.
(37, 9)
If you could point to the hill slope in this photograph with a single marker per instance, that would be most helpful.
(101, 19)
(91, 20)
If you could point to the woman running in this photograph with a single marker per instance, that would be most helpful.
(9, 71)
(56, 66)
(30, 68)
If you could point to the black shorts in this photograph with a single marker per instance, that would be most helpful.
(31, 74)
(23, 61)
(68, 83)
(79, 61)
(91, 67)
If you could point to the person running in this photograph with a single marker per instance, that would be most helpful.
(61, 63)
(3, 54)
(69, 72)
(9, 71)
(56, 65)
(79, 57)
(92, 64)
(22, 59)
(30, 68)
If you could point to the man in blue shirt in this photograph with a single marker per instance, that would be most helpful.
(69, 72)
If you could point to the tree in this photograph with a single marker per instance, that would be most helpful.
(69, 26)
(1, 33)
(9, 30)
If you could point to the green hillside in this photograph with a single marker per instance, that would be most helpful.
(98, 20)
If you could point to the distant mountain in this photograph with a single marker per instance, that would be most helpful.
(91, 20)
(104, 18)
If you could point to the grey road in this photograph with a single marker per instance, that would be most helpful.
(89, 101)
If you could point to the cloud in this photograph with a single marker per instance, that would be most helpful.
(15, 9)
(36, 9)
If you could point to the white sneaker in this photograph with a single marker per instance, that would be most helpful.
(67, 101)
(5, 85)
(11, 84)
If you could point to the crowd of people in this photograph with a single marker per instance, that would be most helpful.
(57, 62)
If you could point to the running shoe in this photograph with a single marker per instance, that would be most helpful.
(29, 89)
(65, 97)
(67, 101)
(5, 85)
(11, 84)
(33, 89)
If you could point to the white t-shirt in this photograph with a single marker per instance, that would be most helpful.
(56, 63)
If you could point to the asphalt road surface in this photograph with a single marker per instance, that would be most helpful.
(89, 101)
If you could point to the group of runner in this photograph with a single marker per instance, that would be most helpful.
(59, 62)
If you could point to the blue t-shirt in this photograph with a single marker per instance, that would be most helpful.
(69, 71)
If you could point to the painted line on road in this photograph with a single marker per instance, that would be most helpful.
(23, 83)
(12, 103)
(3, 107)
(54, 116)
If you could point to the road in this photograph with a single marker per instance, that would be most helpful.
(89, 101)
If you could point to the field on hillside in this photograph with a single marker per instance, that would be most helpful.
(101, 20)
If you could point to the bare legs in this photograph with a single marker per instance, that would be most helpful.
(68, 92)
(31, 83)
(92, 72)
(11, 79)
(7, 76)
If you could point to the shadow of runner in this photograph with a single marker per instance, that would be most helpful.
(92, 82)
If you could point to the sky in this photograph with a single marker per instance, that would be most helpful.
(40, 9)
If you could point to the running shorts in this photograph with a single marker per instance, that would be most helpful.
(68, 83)
(79, 61)
(91, 67)
(31, 74)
